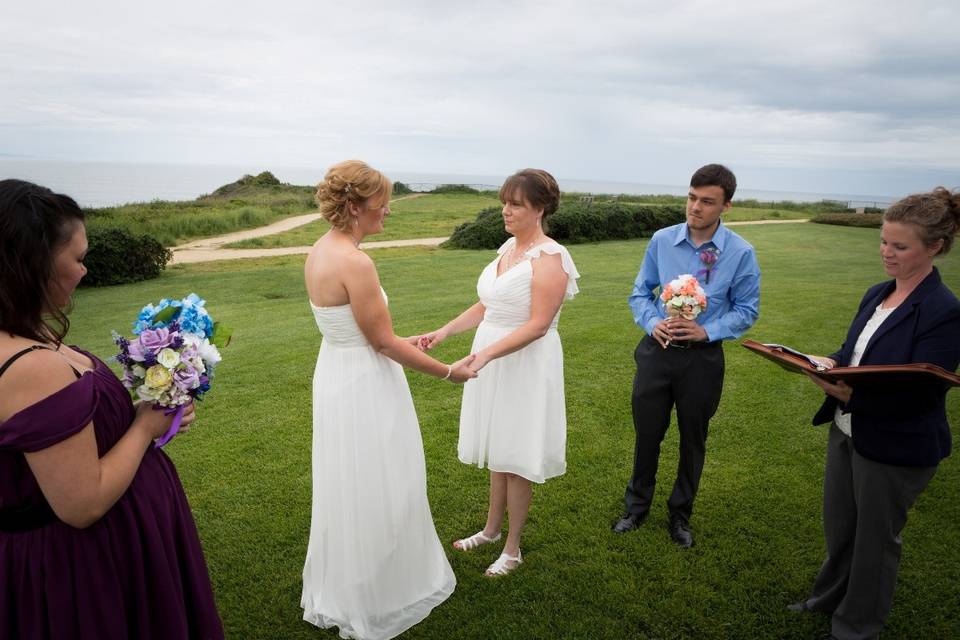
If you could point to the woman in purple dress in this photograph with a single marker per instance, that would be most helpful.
(96, 536)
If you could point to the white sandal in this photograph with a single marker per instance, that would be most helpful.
(474, 541)
(500, 568)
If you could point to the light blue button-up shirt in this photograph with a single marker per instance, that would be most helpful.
(733, 292)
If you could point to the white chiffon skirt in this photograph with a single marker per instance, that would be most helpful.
(374, 565)
(513, 418)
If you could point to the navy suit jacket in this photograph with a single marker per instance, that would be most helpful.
(906, 427)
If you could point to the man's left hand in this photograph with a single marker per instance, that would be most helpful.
(682, 329)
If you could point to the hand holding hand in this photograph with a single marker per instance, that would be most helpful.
(461, 371)
(429, 340)
(661, 332)
(683, 329)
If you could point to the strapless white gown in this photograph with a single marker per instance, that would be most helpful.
(374, 565)
(513, 418)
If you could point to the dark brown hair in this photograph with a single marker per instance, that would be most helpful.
(716, 175)
(537, 186)
(936, 216)
(34, 224)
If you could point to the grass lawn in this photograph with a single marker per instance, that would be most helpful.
(246, 463)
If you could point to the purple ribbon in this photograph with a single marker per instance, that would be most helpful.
(174, 426)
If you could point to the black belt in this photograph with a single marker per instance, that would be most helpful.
(33, 516)
(693, 344)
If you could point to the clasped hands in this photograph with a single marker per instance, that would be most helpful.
(675, 328)
(461, 370)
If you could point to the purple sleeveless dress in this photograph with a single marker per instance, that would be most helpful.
(137, 573)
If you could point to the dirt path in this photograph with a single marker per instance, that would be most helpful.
(271, 229)
(208, 250)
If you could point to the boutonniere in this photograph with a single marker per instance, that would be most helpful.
(709, 259)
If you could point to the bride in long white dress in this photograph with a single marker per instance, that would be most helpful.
(374, 565)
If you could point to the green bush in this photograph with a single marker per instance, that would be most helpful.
(574, 222)
(486, 232)
(400, 189)
(871, 220)
(116, 256)
(454, 188)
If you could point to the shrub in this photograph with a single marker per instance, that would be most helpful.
(400, 189)
(263, 179)
(454, 188)
(870, 220)
(116, 256)
(486, 232)
(574, 222)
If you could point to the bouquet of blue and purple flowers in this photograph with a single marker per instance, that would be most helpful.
(171, 358)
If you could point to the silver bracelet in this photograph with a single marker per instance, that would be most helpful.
(449, 371)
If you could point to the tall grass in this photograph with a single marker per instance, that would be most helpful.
(175, 222)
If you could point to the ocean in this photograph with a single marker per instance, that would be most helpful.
(102, 184)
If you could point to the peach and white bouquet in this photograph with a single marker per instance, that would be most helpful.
(683, 297)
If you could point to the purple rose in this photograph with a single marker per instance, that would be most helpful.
(155, 339)
(135, 351)
(186, 379)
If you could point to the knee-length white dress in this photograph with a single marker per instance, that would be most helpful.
(513, 418)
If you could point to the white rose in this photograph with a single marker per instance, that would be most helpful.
(150, 395)
(138, 371)
(168, 358)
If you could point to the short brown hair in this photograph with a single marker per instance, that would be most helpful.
(716, 175)
(936, 216)
(349, 181)
(537, 186)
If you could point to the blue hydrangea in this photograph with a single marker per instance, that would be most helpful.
(191, 317)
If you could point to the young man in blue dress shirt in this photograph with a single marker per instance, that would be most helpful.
(680, 361)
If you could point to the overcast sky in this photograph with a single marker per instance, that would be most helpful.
(807, 95)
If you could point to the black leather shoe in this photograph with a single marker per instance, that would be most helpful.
(680, 533)
(629, 522)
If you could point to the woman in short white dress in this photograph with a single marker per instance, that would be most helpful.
(513, 416)
(375, 566)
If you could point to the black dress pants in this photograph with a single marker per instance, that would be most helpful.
(690, 379)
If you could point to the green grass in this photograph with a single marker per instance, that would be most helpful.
(423, 216)
(246, 463)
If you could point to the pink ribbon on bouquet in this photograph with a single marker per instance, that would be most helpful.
(174, 426)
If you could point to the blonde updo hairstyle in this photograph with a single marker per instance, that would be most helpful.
(350, 181)
(935, 216)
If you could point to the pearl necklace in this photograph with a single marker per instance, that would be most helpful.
(512, 259)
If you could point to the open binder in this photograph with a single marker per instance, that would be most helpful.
(876, 375)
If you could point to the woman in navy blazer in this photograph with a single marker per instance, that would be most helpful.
(885, 444)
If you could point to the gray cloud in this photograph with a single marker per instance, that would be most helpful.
(602, 90)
